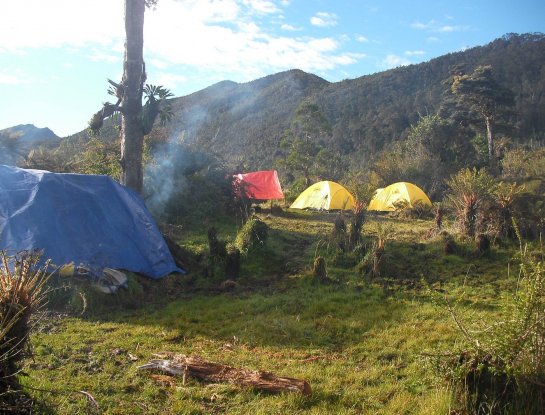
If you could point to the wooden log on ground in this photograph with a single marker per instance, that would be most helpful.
(198, 368)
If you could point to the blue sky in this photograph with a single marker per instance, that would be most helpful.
(56, 55)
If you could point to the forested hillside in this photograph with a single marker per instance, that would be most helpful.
(361, 115)
(415, 123)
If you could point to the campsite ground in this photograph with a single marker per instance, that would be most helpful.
(363, 343)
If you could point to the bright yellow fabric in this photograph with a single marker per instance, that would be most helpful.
(385, 199)
(324, 195)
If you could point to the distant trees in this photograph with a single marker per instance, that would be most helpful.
(433, 149)
(303, 146)
(11, 149)
(481, 93)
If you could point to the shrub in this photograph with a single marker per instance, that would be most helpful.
(470, 190)
(232, 262)
(449, 244)
(339, 236)
(216, 247)
(501, 367)
(319, 271)
(356, 224)
(22, 293)
(522, 163)
(252, 235)
(418, 210)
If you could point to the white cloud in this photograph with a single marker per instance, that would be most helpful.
(262, 6)
(323, 19)
(394, 61)
(362, 39)
(414, 52)
(169, 80)
(290, 28)
(102, 56)
(436, 26)
(57, 23)
(448, 29)
(233, 43)
(14, 79)
(158, 63)
(211, 37)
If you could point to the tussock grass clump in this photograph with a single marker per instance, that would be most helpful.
(253, 234)
(22, 292)
(319, 271)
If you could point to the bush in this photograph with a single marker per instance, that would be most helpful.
(501, 368)
(252, 235)
(232, 262)
(22, 293)
(521, 163)
(471, 189)
(319, 271)
(418, 210)
(339, 236)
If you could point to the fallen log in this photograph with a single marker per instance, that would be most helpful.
(198, 368)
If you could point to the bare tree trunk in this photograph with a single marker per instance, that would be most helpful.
(490, 140)
(132, 136)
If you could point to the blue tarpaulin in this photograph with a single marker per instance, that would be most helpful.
(83, 219)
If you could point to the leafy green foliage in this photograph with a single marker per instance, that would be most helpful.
(483, 94)
(304, 156)
(501, 365)
(155, 105)
(252, 235)
(22, 293)
(470, 190)
(520, 163)
(99, 157)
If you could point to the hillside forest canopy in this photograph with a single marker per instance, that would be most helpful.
(481, 108)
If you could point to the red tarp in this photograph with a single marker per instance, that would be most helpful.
(261, 185)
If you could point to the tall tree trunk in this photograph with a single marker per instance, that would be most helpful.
(132, 136)
(490, 140)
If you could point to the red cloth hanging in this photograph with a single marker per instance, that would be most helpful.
(260, 185)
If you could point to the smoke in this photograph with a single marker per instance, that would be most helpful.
(162, 176)
(165, 176)
(224, 121)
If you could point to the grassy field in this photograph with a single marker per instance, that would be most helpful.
(362, 343)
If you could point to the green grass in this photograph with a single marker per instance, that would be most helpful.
(361, 343)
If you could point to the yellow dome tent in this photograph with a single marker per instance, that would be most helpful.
(324, 195)
(402, 192)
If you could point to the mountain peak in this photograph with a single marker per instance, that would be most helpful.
(29, 133)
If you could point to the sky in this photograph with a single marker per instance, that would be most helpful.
(56, 55)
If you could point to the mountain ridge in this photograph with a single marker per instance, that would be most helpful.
(247, 122)
(365, 113)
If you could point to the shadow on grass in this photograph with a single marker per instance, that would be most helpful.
(273, 304)
(305, 315)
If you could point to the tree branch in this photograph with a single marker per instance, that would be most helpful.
(108, 109)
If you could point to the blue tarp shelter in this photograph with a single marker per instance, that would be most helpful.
(85, 219)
